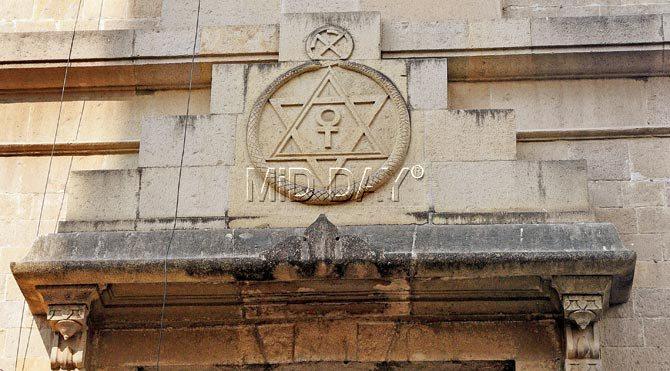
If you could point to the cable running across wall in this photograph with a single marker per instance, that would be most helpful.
(176, 209)
(46, 186)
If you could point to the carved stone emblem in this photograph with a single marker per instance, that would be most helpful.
(328, 132)
(329, 43)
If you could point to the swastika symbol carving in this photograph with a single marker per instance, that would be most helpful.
(329, 43)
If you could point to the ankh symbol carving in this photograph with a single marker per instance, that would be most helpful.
(328, 119)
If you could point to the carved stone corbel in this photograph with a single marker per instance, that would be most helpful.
(68, 342)
(67, 314)
(582, 341)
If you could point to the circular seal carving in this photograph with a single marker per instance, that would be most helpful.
(332, 119)
(329, 43)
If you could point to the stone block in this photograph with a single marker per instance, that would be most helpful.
(605, 193)
(158, 192)
(666, 27)
(622, 332)
(178, 14)
(204, 191)
(634, 358)
(596, 30)
(251, 39)
(656, 332)
(605, 160)
(228, 82)
(210, 141)
(427, 84)
(653, 219)
(34, 46)
(312, 345)
(406, 36)
(103, 44)
(624, 220)
(468, 135)
(650, 158)
(433, 10)
(144, 8)
(638, 194)
(319, 6)
(277, 342)
(103, 195)
(382, 341)
(161, 141)
(163, 43)
(364, 27)
(647, 246)
(499, 33)
(651, 302)
(233, 12)
(511, 186)
(652, 274)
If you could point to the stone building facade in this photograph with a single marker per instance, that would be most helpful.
(500, 199)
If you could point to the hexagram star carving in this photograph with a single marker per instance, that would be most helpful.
(341, 157)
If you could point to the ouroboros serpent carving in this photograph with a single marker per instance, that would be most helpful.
(324, 196)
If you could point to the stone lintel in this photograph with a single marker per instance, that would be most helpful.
(415, 257)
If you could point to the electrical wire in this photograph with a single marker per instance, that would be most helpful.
(46, 186)
(176, 209)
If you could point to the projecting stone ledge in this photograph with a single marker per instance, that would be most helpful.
(569, 272)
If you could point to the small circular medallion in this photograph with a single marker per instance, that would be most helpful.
(329, 43)
(343, 128)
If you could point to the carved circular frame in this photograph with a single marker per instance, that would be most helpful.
(324, 196)
(344, 32)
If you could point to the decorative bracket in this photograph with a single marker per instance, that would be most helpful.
(582, 341)
(67, 314)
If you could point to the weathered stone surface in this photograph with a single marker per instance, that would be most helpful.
(622, 332)
(318, 6)
(508, 186)
(637, 194)
(648, 247)
(433, 10)
(161, 42)
(117, 44)
(103, 195)
(158, 192)
(204, 191)
(427, 84)
(209, 141)
(605, 160)
(468, 135)
(228, 82)
(624, 219)
(650, 158)
(653, 219)
(424, 36)
(364, 27)
(499, 33)
(254, 39)
(596, 30)
(605, 193)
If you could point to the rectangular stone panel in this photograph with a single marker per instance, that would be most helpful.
(427, 83)
(210, 141)
(450, 34)
(103, 195)
(228, 82)
(203, 192)
(468, 135)
(596, 30)
(236, 39)
(319, 6)
(364, 27)
(493, 186)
